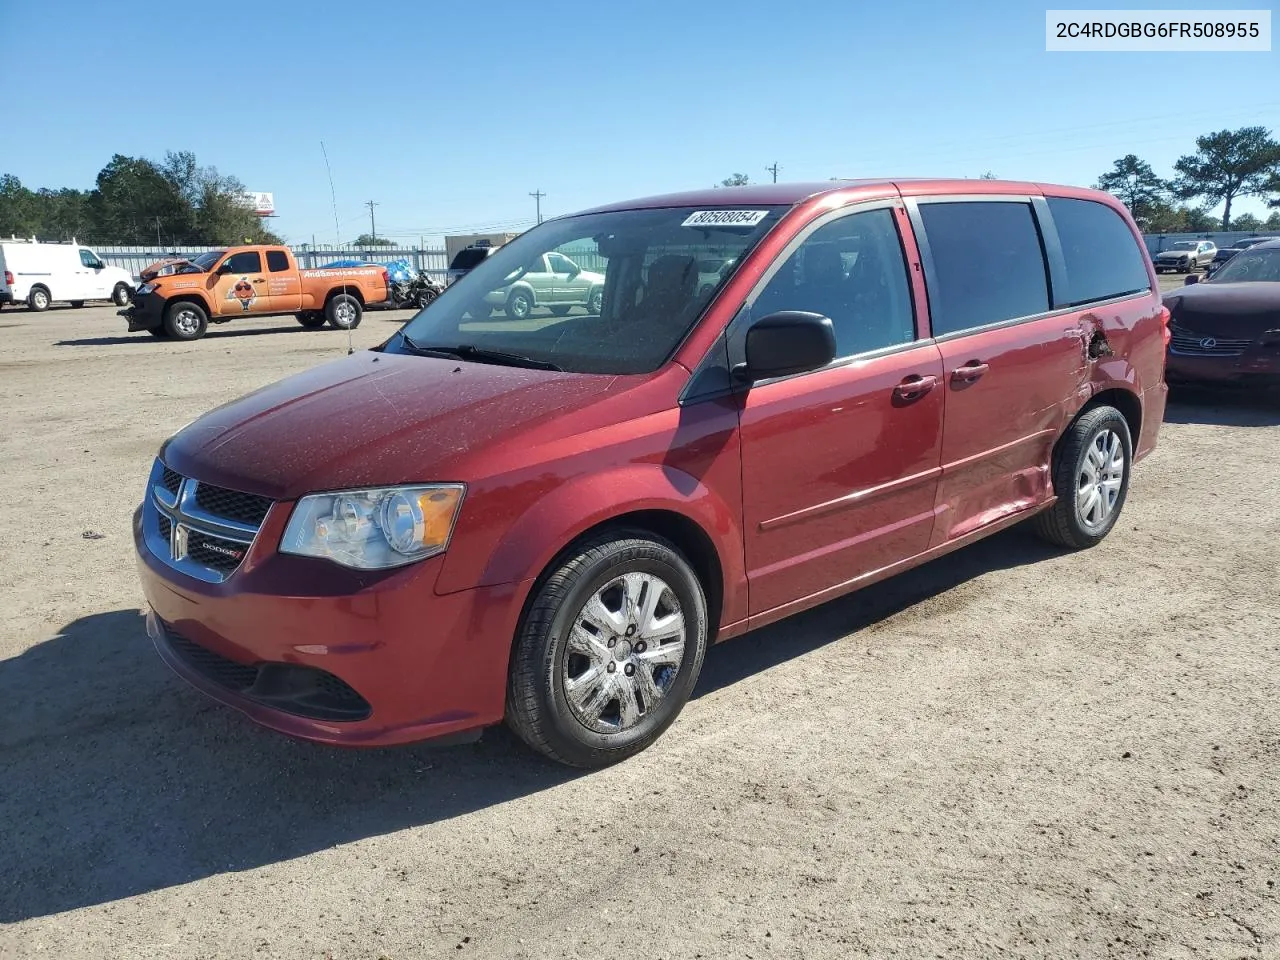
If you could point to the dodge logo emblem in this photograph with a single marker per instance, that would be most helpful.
(1208, 343)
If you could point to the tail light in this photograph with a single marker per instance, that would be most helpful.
(8, 278)
(1165, 318)
(386, 278)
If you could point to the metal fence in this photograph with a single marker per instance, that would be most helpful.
(1162, 241)
(433, 260)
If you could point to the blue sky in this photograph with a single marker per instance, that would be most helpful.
(449, 114)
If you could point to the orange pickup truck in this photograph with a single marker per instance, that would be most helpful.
(184, 298)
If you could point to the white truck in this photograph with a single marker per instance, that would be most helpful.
(39, 274)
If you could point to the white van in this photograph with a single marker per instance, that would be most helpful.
(37, 274)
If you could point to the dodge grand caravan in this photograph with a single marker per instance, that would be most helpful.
(548, 521)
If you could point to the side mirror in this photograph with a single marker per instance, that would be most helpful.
(1191, 278)
(791, 341)
(574, 271)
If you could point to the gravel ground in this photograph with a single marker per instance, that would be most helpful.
(1010, 752)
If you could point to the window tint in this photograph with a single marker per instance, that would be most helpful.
(987, 262)
(468, 258)
(1103, 259)
(247, 262)
(851, 270)
(88, 259)
(277, 261)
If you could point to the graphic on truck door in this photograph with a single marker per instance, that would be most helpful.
(243, 291)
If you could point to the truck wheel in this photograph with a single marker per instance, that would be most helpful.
(311, 319)
(1091, 479)
(343, 312)
(76, 304)
(185, 320)
(519, 305)
(609, 650)
(38, 299)
(120, 295)
(595, 302)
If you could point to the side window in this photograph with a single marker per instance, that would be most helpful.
(987, 261)
(1103, 258)
(539, 265)
(249, 261)
(560, 263)
(277, 261)
(88, 259)
(853, 271)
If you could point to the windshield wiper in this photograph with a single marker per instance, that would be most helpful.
(466, 351)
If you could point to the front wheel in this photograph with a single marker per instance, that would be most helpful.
(185, 321)
(343, 312)
(595, 302)
(120, 295)
(519, 305)
(609, 651)
(1091, 479)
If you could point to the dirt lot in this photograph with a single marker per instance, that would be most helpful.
(1010, 752)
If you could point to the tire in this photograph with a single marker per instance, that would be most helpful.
(424, 298)
(559, 310)
(343, 312)
(519, 305)
(185, 320)
(120, 295)
(553, 649)
(38, 299)
(595, 301)
(1086, 461)
(311, 319)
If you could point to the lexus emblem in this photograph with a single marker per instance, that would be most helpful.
(1208, 343)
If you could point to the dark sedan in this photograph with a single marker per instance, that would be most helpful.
(1226, 330)
(1226, 253)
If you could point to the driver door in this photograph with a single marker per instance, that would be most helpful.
(240, 286)
(570, 285)
(90, 276)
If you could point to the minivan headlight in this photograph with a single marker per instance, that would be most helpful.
(376, 528)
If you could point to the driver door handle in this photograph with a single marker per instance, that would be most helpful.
(970, 372)
(914, 387)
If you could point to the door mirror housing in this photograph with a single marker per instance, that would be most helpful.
(787, 342)
(224, 266)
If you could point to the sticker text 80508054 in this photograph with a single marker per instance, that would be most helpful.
(724, 218)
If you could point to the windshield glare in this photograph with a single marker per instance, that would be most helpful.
(1249, 265)
(203, 263)
(611, 293)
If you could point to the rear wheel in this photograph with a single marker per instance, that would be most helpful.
(343, 312)
(609, 651)
(1091, 479)
(311, 319)
(120, 295)
(519, 305)
(595, 302)
(185, 320)
(38, 299)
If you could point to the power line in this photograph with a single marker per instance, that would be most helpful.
(373, 229)
(537, 196)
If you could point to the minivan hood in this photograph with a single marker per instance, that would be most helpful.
(371, 419)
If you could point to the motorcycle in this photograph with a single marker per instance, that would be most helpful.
(416, 292)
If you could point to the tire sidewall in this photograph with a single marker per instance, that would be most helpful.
(1107, 418)
(516, 297)
(595, 301)
(331, 312)
(568, 735)
(120, 295)
(171, 327)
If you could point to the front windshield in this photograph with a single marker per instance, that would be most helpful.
(1249, 265)
(611, 293)
(203, 263)
(1184, 245)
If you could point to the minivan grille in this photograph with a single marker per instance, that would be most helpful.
(243, 507)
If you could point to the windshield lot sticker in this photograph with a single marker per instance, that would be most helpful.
(724, 218)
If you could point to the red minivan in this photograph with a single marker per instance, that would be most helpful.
(548, 520)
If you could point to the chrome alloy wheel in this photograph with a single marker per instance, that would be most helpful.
(1101, 479)
(624, 652)
(186, 322)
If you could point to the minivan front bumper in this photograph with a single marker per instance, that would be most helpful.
(325, 654)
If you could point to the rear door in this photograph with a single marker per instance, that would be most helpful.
(840, 466)
(1011, 366)
(241, 288)
(284, 285)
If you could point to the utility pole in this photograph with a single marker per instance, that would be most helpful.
(774, 170)
(373, 230)
(158, 243)
(537, 197)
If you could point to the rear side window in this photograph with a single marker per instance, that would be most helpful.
(988, 264)
(277, 261)
(247, 262)
(468, 258)
(1103, 258)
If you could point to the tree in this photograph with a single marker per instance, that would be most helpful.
(136, 203)
(1136, 185)
(1247, 222)
(737, 180)
(368, 240)
(1272, 186)
(1273, 222)
(1228, 164)
(988, 176)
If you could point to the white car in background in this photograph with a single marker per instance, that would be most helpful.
(39, 274)
(553, 281)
